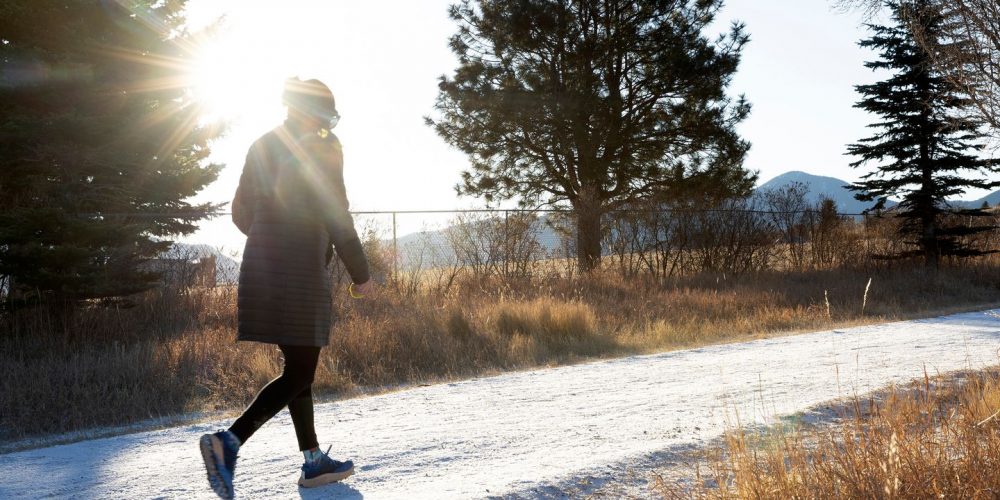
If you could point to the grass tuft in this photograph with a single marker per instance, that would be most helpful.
(935, 438)
(174, 353)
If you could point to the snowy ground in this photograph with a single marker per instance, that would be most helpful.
(531, 433)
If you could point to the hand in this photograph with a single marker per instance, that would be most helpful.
(362, 290)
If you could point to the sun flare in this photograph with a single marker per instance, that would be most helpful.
(237, 74)
(232, 85)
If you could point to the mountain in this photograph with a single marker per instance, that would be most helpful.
(227, 269)
(820, 187)
(993, 199)
(431, 248)
(835, 189)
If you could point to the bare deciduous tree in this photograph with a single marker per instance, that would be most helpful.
(968, 54)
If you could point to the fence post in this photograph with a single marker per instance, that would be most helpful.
(868, 240)
(395, 251)
(507, 250)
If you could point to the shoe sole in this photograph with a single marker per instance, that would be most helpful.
(324, 479)
(212, 453)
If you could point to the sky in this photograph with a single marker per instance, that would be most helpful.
(383, 61)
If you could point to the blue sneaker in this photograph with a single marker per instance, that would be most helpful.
(324, 471)
(219, 452)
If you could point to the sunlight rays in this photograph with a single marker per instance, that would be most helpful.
(230, 84)
(214, 76)
(239, 72)
(217, 71)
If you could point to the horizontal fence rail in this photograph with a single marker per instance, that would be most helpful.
(501, 210)
(418, 248)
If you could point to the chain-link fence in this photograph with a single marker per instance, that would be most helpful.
(771, 230)
(737, 237)
(414, 249)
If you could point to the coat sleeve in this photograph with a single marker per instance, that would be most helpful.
(246, 193)
(339, 223)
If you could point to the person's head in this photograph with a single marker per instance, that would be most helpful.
(310, 104)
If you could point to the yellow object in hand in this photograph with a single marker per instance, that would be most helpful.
(350, 289)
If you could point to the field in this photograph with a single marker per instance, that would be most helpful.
(173, 352)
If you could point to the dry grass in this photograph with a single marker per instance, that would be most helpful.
(174, 353)
(939, 438)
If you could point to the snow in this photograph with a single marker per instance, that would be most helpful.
(527, 433)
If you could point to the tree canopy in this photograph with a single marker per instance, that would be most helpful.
(100, 144)
(593, 103)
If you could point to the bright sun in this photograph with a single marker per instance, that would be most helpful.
(232, 85)
(237, 75)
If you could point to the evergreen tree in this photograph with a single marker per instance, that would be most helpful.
(100, 145)
(926, 149)
(971, 58)
(594, 103)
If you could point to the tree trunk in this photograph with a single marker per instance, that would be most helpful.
(588, 232)
(930, 243)
(61, 310)
(928, 215)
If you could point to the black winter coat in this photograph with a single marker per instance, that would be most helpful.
(292, 205)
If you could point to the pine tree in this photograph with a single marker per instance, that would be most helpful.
(99, 145)
(926, 150)
(596, 104)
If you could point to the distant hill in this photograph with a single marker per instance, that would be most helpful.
(836, 190)
(432, 248)
(227, 269)
(820, 187)
(993, 199)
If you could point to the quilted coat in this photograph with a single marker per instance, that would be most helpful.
(292, 205)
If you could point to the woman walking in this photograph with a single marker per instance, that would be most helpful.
(292, 205)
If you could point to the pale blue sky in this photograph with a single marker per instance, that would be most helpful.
(799, 72)
(382, 61)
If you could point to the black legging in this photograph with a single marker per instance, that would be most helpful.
(293, 389)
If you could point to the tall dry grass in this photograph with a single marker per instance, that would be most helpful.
(175, 352)
(939, 438)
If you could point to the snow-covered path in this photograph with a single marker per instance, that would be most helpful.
(512, 433)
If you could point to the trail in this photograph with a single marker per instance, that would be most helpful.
(528, 433)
